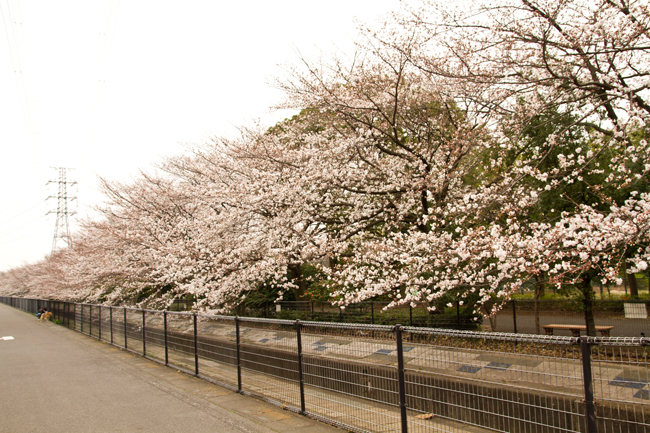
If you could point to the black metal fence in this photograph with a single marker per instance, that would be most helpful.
(371, 313)
(627, 318)
(372, 378)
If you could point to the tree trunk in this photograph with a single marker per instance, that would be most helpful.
(539, 291)
(299, 281)
(491, 318)
(588, 296)
(634, 289)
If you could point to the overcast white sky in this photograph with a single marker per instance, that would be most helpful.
(108, 87)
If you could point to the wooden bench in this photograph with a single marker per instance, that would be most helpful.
(575, 329)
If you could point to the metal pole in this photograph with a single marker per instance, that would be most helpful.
(100, 322)
(90, 321)
(400, 378)
(514, 314)
(165, 331)
(410, 316)
(82, 318)
(111, 317)
(372, 312)
(144, 344)
(238, 356)
(458, 314)
(125, 346)
(196, 348)
(588, 306)
(300, 375)
(590, 408)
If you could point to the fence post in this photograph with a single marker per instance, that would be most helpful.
(110, 312)
(457, 314)
(588, 305)
(100, 322)
(144, 344)
(165, 332)
(410, 315)
(400, 378)
(196, 348)
(90, 321)
(125, 346)
(238, 355)
(82, 318)
(514, 314)
(372, 312)
(300, 375)
(590, 409)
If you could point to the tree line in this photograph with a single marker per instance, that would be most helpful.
(460, 152)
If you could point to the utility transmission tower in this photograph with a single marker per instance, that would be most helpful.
(62, 226)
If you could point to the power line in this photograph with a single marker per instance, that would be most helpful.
(23, 237)
(25, 224)
(22, 213)
(105, 40)
(25, 76)
(19, 73)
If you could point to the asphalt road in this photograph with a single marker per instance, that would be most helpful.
(54, 379)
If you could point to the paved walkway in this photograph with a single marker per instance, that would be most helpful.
(55, 379)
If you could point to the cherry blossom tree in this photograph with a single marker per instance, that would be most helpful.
(461, 151)
(502, 66)
(587, 61)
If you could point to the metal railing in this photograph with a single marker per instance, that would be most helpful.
(368, 312)
(516, 316)
(374, 378)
